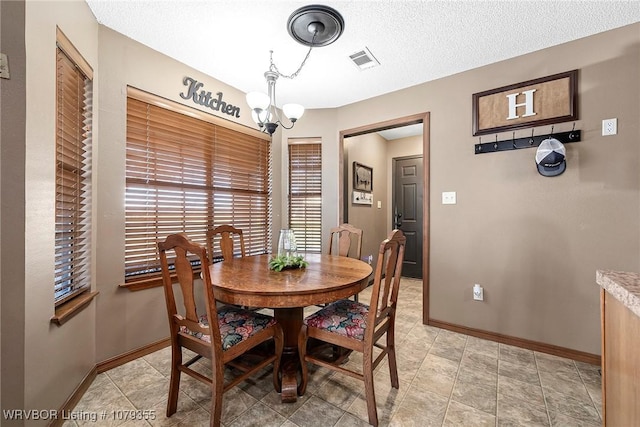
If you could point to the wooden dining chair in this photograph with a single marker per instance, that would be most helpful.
(346, 240)
(226, 235)
(232, 334)
(358, 327)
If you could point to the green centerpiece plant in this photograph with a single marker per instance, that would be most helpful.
(287, 257)
(281, 262)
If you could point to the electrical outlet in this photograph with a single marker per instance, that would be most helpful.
(448, 197)
(478, 292)
(609, 127)
(4, 66)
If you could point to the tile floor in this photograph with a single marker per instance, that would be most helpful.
(446, 379)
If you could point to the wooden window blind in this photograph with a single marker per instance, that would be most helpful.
(74, 98)
(186, 174)
(305, 194)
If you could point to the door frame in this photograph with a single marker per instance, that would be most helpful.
(423, 118)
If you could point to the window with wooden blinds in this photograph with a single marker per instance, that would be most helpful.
(305, 194)
(74, 94)
(186, 174)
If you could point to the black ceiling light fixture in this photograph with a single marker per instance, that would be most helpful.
(313, 26)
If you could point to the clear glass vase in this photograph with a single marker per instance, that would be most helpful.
(287, 244)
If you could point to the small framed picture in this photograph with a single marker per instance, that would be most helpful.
(362, 198)
(362, 177)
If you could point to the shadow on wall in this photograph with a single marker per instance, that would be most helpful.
(532, 284)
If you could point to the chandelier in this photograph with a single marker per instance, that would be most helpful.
(312, 26)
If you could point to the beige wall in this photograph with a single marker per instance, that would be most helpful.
(369, 150)
(55, 358)
(12, 207)
(534, 243)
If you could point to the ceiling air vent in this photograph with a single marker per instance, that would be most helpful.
(364, 59)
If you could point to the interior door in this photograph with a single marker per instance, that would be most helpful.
(407, 210)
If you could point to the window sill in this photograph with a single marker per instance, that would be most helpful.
(72, 307)
(141, 285)
(154, 282)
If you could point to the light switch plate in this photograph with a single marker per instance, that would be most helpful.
(609, 127)
(448, 197)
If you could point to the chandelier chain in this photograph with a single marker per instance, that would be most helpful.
(273, 66)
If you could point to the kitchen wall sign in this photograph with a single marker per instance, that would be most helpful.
(542, 101)
(206, 99)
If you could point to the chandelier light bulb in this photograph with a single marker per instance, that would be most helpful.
(258, 100)
(293, 111)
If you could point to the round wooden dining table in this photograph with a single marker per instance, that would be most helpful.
(248, 281)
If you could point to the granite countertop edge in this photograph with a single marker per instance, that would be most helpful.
(623, 286)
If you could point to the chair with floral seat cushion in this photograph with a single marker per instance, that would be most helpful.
(234, 333)
(358, 327)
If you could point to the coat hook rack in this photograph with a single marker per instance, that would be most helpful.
(526, 142)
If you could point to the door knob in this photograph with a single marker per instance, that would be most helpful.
(398, 220)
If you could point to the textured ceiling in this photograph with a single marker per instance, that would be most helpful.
(415, 41)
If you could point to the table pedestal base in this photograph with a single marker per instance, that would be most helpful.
(291, 321)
